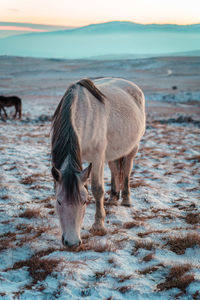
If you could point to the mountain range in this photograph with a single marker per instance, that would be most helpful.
(112, 39)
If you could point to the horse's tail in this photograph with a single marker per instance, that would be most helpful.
(121, 172)
(64, 138)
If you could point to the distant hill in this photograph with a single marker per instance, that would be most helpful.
(112, 39)
(22, 28)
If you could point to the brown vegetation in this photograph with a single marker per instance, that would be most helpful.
(148, 257)
(177, 278)
(30, 213)
(179, 244)
(124, 289)
(38, 267)
(148, 245)
(193, 218)
(95, 246)
(129, 225)
(150, 269)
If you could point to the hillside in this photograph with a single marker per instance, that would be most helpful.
(107, 39)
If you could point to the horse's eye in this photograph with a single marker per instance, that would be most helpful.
(59, 202)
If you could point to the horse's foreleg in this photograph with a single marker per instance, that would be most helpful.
(98, 193)
(3, 111)
(115, 181)
(127, 167)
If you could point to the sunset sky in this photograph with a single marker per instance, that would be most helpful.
(84, 12)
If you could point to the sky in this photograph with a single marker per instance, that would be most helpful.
(84, 12)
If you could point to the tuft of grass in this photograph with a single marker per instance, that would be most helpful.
(148, 245)
(177, 278)
(143, 234)
(148, 257)
(30, 213)
(39, 268)
(150, 269)
(124, 289)
(28, 180)
(129, 225)
(192, 218)
(99, 275)
(179, 244)
(122, 278)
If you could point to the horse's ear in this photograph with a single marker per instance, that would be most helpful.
(56, 174)
(84, 175)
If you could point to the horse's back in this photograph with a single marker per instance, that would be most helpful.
(119, 88)
(115, 126)
(9, 100)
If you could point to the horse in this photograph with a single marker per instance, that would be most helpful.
(96, 121)
(5, 114)
(6, 101)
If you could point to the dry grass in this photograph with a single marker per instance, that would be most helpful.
(179, 244)
(5, 197)
(99, 275)
(138, 183)
(148, 245)
(193, 218)
(143, 234)
(95, 246)
(39, 268)
(195, 158)
(148, 257)
(30, 213)
(6, 240)
(28, 180)
(177, 278)
(129, 225)
(150, 269)
(122, 278)
(124, 289)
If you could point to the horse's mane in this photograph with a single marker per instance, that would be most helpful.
(65, 142)
(89, 85)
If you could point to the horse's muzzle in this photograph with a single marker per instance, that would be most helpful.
(66, 243)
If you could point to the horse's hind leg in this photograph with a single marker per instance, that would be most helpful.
(127, 167)
(16, 110)
(115, 167)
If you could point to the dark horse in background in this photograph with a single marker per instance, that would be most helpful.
(11, 101)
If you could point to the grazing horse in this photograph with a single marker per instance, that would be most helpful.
(100, 121)
(11, 101)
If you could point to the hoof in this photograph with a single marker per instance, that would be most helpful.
(98, 230)
(126, 203)
(112, 201)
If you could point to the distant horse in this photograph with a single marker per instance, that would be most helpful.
(2, 108)
(99, 121)
(11, 101)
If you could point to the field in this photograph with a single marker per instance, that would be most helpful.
(151, 250)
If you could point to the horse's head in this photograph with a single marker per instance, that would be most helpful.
(70, 204)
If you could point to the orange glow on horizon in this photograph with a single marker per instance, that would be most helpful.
(21, 28)
(78, 13)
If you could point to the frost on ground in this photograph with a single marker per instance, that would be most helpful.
(151, 250)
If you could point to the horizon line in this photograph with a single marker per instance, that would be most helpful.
(125, 21)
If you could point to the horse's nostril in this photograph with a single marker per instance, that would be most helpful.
(64, 242)
(80, 242)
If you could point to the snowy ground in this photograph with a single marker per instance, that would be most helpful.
(152, 250)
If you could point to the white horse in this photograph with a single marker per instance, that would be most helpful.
(100, 121)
